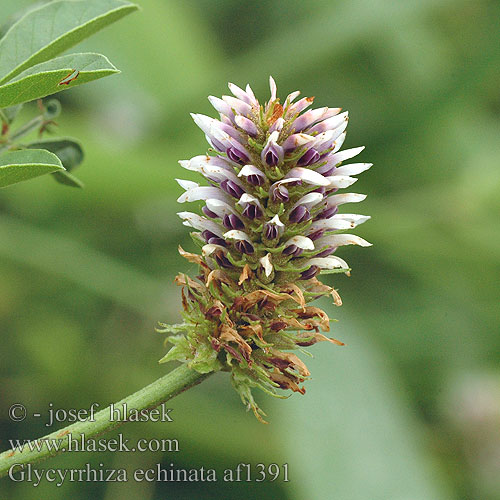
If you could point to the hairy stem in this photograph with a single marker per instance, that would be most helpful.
(149, 397)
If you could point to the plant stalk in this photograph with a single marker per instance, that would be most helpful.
(147, 398)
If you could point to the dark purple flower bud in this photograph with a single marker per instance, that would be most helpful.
(231, 188)
(208, 212)
(293, 250)
(244, 246)
(255, 180)
(321, 190)
(309, 157)
(252, 211)
(272, 153)
(299, 214)
(232, 222)
(310, 273)
(236, 155)
(272, 159)
(326, 253)
(222, 260)
(208, 234)
(326, 214)
(253, 175)
(218, 241)
(271, 231)
(280, 194)
(316, 235)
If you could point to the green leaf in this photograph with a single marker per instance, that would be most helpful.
(17, 166)
(68, 179)
(69, 151)
(54, 76)
(49, 30)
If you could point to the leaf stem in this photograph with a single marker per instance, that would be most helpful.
(147, 398)
(35, 123)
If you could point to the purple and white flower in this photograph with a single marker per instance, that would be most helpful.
(256, 195)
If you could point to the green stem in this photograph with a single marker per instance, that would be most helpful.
(149, 397)
(27, 128)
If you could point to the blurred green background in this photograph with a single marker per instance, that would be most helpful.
(410, 408)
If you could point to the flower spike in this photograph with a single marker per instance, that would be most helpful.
(270, 226)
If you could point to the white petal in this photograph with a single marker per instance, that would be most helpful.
(247, 125)
(250, 93)
(337, 144)
(284, 181)
(297, 140)
(220, 208)
(309, 118)
(272, 86)
(276, 221)
(299, 106)
(188, 166)
(291, 97)
(266, 264)
(239, 106)
(197, 163)
(221, 106)
(184, 184)
(234, 234)
(345, 155)
(203, 193)
(309, 200)
(308, 175)
(250, 170)
(208, 124)
(354, 219)
(248, 198)
(227, 141)
(339, 199)
(301, 242)
(352, 169)
(241, 94)
(329, 139)
(204, 122)
(337, 240)
(219, 174)
(330, 224)
(277, 126)
(331, 123)
(220, 135)
(273, 137)
(210, 249)
(198, 222)
(341, 181)
(210, 142)
(330, 262)
(324, 137)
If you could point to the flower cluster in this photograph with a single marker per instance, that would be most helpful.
(270, 225)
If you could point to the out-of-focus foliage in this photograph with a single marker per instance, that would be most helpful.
(410, 408)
